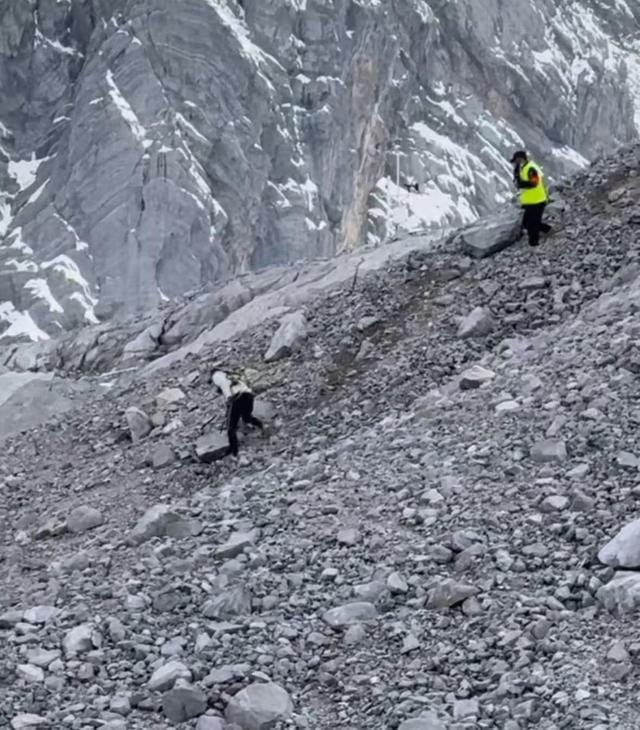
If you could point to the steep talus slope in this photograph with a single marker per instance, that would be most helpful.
(467, 522)
(149, 148)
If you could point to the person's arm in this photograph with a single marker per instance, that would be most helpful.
(532, 182)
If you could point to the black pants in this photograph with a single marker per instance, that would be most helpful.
(532, 222)
(240, 406)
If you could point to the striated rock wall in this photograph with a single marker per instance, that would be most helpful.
(150, 148)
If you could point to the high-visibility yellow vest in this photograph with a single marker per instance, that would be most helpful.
(532, 196)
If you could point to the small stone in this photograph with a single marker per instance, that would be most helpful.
(464, 709)
(349, 536)
(618, 653)
(548, 451)
(116, 629)
(84, 518)
(166, 676)
(410, 643)
(78, 640)
(160, 521)
(554, 503)
(426, 721)
(10, 618)
(211, 447)
(32, 674)
(478, 323)
(41, 657)
(355, 635)
(237, 543)
(162, 456)
(27, 720)
(169, 396)
(397, 584)
(475, 376)
(626, 460)
(183, 703)
(507, 406)
(139, 424)
(41, 614)
(350, 613)
(259, 707)
(121, 705)
(228, 604)
(532, 283)
(449, 593)
(207, 722)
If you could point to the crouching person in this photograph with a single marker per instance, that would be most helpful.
(239, 397)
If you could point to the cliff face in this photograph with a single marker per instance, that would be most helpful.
(148, 147)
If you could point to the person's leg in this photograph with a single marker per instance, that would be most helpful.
(233, 418)
(247, 411)
(528, 223)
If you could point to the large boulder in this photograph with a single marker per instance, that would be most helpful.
(259, 707)
(211, 447)
(622, 593)
(161, 521)
(490, 235)
(623, 551)
(292, 330)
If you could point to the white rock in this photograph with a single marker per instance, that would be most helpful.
(292, 330)
(166, 676)
(41, 614)
(41, 657)
(27, 720)
(160, 521)
(169, 397)
(32, 674)
(350, 613)
(139, 424)
(623, 551)
(476, 324)
(79, 639)
(548, 451)
(426, 721)
(84, 518)
(259, 707)
(475, 376)
(621, 594)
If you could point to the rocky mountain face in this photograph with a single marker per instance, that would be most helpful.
(149, 148)
(437, 531)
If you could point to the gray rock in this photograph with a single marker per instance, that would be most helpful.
(121, 705)
(627, 460)
(84, 518)
(212, 446)
(548, 451)
(491, 235)
(349, 614)
(259, 707)
(169, 397)
(237, 543)
(183, 703)
(228, 604)
(139, 424)
(27, 720)
(397, 584)
(478, 323)
(623, 551)
(621, 594)
(531, 283)
(618, 652)
(449, 593)
(355, 634)
(42, 657)
(465, 709)
(208, 722)
(41, 614)
(160, 521)
(349, 536)
(165, 677)
(475, 376)
(426, 721)
(162, 456)
(78, 640)
(31, 674)
(554, 503)
(290, 333)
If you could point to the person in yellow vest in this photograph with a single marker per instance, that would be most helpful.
(533, 195)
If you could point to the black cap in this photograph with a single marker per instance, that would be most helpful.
(519, 155)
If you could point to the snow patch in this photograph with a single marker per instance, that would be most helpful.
(20, 324)
(40, 289)
(127, 113)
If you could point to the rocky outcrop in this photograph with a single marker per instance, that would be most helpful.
(148, 148)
